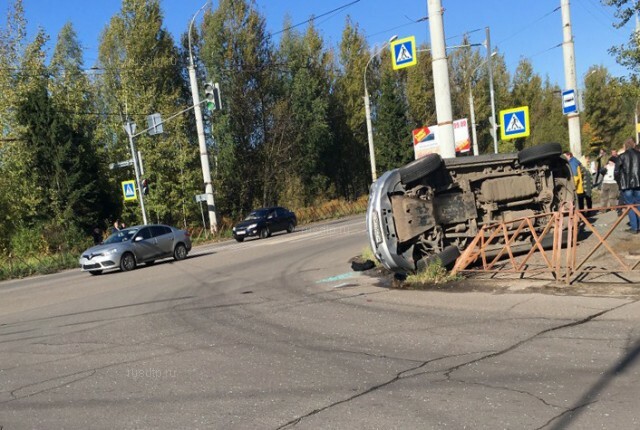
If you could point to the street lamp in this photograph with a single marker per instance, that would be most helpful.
(471, 106)
(367, 110)
(204, 156)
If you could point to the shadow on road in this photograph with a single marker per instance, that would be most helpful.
(590, 396)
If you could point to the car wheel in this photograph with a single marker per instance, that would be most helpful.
(264, 233)
(127, 262)
(447, 257)
(290, 228)
(539, 152)
(180, 253)
(95, 272)
(239, 239)
(419, 168)
(150, 262)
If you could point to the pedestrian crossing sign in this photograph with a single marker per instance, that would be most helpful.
(514, 123)
(403, 53)
(129, 190)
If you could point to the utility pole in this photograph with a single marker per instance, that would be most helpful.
(130, 128)
(573, 119)
(472, 112)
(492, 93)
(204, 156)
(441, 79)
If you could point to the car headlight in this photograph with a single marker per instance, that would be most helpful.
(110, 251)
(253, 226)
(377, 231)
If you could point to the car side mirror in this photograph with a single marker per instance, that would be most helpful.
(138, 239)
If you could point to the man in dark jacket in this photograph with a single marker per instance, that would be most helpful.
(627, 174)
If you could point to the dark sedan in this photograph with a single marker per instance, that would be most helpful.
(263, 222)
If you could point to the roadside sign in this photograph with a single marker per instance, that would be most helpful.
(514, 123)
(201, 197)
(155, 124)
(569, 104)
(120, 164)
(403, 53)
(129, 190)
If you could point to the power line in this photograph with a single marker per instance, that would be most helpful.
(528, 26)
(316, 17)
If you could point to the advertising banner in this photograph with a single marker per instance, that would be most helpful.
(425, 139)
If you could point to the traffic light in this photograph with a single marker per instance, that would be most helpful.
(212, 96)
(145, 186)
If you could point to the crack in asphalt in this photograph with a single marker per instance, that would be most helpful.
(449, 371)
(398, 376)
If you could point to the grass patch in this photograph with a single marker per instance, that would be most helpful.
(434, 274)
(17, 267)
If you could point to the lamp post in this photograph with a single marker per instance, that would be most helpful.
(472, 109)
(367, 111)
(204, 156)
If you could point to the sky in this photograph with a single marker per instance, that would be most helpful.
(519, 28)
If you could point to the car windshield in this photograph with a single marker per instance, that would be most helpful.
(262, 213)
(121, 235)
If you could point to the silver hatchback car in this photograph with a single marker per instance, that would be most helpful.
(127, 248)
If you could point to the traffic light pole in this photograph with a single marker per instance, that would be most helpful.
(204, 156)
(134, 156)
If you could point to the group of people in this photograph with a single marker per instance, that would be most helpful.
(618, 178)
(97, 233)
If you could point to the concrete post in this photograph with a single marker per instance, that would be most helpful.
(441, 80)
(573, 119)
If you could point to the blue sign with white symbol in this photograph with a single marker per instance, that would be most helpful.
(403, 53)
(514, 123)
(129, 190)
(569, 104)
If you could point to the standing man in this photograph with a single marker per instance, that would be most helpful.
(610, 192)
(627, 174)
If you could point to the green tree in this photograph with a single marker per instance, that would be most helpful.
(393, 142)
(237, 54)
(306, 85)
(627, 55)
(351, 173)
(527, 91)
(421, 102)
(604, 110)
(142, 75)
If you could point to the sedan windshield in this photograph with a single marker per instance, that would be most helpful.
(121, 236)
(257, 214)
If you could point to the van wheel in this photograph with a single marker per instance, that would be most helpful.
(419, 168)
(539, 152)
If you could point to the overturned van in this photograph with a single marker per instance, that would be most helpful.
(432, 208)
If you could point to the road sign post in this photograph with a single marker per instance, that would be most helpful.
(130, 128)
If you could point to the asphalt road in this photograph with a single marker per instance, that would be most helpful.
(279, 333)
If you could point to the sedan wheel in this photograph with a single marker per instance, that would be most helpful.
(290, 227)
(264, 233)
(180, 253)
(127, 262)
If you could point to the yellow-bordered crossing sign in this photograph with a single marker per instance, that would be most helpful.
(403, 53)
(514, 123)
(129, 190)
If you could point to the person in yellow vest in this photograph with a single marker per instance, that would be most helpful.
(583, 182)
